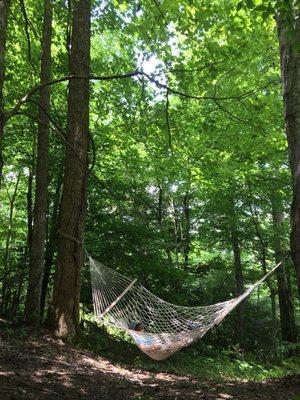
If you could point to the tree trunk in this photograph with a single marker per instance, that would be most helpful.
(287, 319)
(64, 313)
(160, 221)
(37, 251)
(4, 8)
(5, 281)
(24, 259)
(29, 208)
(50, 248)
(239, 277)
(19, 282)
(263, 262)
(272, 296)
(290, 72)
(187, 228)
(176, 229)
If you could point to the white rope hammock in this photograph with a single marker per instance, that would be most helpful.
(158, 328)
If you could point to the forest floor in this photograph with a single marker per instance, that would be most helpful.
(44, 367)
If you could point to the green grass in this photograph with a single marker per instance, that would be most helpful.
(220, 367)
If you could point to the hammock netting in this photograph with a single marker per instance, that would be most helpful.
(166, 328)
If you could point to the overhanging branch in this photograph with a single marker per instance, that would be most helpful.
(136, 73)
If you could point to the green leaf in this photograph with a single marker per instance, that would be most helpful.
(240, 5)
(250, 4)
(261, 7)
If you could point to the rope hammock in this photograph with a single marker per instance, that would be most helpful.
(157, 327)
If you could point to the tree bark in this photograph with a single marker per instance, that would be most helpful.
(64, 313)
(287, 319)
(37, 251)
(290, 72)
(4, 9)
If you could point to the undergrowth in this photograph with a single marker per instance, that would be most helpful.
(200, 360)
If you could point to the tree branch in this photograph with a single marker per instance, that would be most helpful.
(63, 137)
(67, 78)
(26, 20)
(132, 74)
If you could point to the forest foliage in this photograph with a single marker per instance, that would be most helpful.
(190, 185)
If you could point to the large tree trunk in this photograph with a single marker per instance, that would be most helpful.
(287, 319)
(64, 313)
(4, 8)
(290, 72)
(37, 251)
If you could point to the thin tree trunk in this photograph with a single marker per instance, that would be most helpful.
(160, 206)
(5, 281)
(287, 319)
(29, 209)
(290, 72)
(24, 258)
(263, 261)
(50, 248)
(37, 251)
(272, 296)
(4, 9)
(160, 221)
(20, 278)
(239, 277)
(239, 282)
(176, 229)
(186, 247)
(64, 313)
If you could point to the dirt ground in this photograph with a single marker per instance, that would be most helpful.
(47, 368)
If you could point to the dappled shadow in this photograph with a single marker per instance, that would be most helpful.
(272, 389)
(47, 368)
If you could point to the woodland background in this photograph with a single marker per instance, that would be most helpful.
(179, 115)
